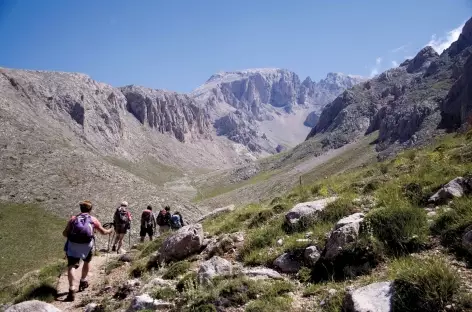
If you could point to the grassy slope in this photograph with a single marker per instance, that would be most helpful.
(29, 238)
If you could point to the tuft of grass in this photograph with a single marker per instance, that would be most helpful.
(281, 303)
(260, 218)
(401, 229)
(113, 264)
(423, 284)
(152, 247)
(176, 269)
(164, 293)
(338, 209)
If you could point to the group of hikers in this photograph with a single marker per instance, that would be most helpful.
(80, 233)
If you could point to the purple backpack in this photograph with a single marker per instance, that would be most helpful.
(81, 231)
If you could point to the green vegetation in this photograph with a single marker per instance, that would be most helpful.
(164, 293)
(40, 285)
(30, 239)
(423, 284)
(176, 269)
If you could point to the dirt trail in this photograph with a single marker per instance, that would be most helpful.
(95, 278)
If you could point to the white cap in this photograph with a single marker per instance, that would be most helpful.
(124, 204)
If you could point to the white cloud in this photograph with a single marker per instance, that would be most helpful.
(409, 57)
(394, 63)
(375, 70)
(378, 60)
(439, 44)
(399, 49)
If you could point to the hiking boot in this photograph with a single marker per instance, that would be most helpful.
(83, 285)
(70, 296)
(113, 248)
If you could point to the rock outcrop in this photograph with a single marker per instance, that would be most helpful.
(261, 272)
(403, 103)
(345, 231)
(146, 302)
(32, 306)
(183, 243)
(311, 255)
(454, 188)
(287, 263)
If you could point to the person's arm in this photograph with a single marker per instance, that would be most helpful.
(100, 228)
(65, 233)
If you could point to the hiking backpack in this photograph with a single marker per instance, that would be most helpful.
(146, 219)
(175, 222)
(81, 231)
(162, 218)
(121, 219)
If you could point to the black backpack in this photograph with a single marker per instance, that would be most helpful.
(162, 219)
(121, 219)
(146, 219)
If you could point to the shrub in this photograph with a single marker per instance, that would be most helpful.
(279, 208)
(424, 285)
(260, 218)
(164, 293)
(337, 210)
(304, 275)
(184, 282)
(276, 200)
(176, 269)
(414, 193)
(401, 229)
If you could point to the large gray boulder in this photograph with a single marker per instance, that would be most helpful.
(375, 297)
(183, 243)
(345, 232)
(287, 263)
(452, 189)
(261, 272)
(145, 302)
(307, 209)
(33, 306)
(216, 266)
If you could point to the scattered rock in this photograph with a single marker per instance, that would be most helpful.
(280, 242)
(145, 302)
(32, 306)
(308, 234)
(223, 244)
(126, 258)
(261, 272)
(183, 243)
(467, 241)
(345, 231)
(308, 209)
(92, 307)
(371, 298)
(216, 266)
(127, 289)
(303, 240)
(311, 255)
(287, 263)
(452, 189)
(157, 282)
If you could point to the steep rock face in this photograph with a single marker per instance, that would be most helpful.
(272, 101)
(167, 111)
(403, 103)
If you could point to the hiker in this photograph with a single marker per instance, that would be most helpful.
(80, 232)
(163, 220)
(148, 224)
(121, 223)
(176, 221)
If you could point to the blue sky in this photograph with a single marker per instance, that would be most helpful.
(178, 44)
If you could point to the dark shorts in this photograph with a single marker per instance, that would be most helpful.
(71, 261)
(121, 230)
(146, 231)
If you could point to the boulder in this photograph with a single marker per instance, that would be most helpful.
(261, 272)
(311, 255)
(183, 243)
(92, 307)
(145, 302)
(308, 209)
(216, 266)
(375, 297)
(452, 189)
(287, 263)
(223, 244)
(217, 212)
(127, 257)
(32, 306)
(345, 231)
(467, 241)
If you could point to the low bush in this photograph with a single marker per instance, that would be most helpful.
(281, 207)
(260, 218)
(337, 210)
(424, 285)
(401, 229)
(164, 293)
(176, 269)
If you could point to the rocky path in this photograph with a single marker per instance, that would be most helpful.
(95, 278)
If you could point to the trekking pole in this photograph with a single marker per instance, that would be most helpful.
(129, 239)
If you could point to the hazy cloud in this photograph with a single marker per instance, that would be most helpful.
(394, 63)
(399, 49)
(442, 43)
(375, 70)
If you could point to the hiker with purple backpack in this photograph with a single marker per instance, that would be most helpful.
(80, 233)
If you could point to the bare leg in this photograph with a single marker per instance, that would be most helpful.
(85, 270)
(70, 277)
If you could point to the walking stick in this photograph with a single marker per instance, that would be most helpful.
(129, 239)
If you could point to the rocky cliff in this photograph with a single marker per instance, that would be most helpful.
(273, 101)
(403, 103)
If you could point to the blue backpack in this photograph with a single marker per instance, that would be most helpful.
(81, 231)
(175, 222)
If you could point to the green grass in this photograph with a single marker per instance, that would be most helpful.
(176, 269)
(30, 238)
